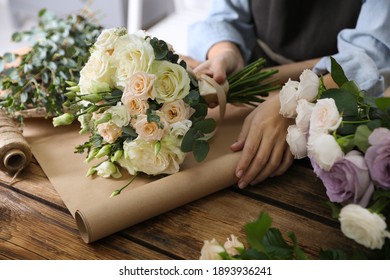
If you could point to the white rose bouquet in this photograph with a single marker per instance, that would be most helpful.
(143, 109)
(347, 138)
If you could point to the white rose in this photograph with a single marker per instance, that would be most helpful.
(297, 141)
(324, 149)
(176, 111)
(107, 169)
(231, 245)
(325, 116)
(308, 85)
(96, 73)
(211, 250)
(107, 39)
(172, 82)
(179, 129)
(304, 110)
(140, 86)
(109, 131)
(150, 131)
(288, 99)
(141, 155)
(135, 106)
(120, 116)
(363, 226)
(131, 55)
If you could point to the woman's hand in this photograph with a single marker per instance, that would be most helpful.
(262, 140)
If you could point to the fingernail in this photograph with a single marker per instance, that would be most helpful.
(242, 185)
(239, 173)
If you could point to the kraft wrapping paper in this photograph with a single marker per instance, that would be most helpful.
(88, 198)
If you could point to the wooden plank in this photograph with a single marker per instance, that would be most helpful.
(183, 230)
(298, 190)
(41, 231)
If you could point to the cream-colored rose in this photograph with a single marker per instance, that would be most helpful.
(308, 85)
(107, 169)
(211, 250)
(176, 111)
(150, 131)
(135, 106)
(231, 245)
(172, 81)
(179, 129)
(107, 39)
(288, 99)
(109, 131)
(120, 116)
(304, 110)
(140, 156)
(131, 55)
(96, 73)
(325, 116)
(140, 86)
(324, 149)
(297, 140)
(363, 226)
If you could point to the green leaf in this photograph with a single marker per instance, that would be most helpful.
(200, 150)
(361, 137)
(129, 131)
(160, 48)
(351, 87)
(276, 246)
(206, 126)
(332, 254)
(298, 252)
(335, 209)
(383, 103)
(256, 231)
(9, 57)
(337, 73)
(17, 37)
(188, 140)
(345, 101)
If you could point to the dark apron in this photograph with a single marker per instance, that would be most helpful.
(301, 29)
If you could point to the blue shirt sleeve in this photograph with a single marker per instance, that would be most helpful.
(228, 20)
(364, 52)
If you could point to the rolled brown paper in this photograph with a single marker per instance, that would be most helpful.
(88, 199)
(15, 152)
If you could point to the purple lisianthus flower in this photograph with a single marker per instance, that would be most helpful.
(348, 181)
(378, 157)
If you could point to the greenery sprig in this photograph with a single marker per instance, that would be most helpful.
(37, 79)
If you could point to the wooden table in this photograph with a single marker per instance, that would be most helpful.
(35, 224)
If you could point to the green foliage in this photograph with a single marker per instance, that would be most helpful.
(60, 47)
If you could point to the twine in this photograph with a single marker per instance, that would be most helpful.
(15, 153)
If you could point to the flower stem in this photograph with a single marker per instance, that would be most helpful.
(118, 191)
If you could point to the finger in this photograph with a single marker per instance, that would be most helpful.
(239, 144)
(249, 152)
(287, 161)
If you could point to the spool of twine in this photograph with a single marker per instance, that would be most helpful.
(15, 152)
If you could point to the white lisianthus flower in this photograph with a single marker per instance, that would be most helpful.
(288, 99)
(176, 111)
(304, 110)
(120, 116)
(325, 116)
(135, 106)
(363, 226)
(96, 74)
(131, 55)
(107, 169)
(139, 86)
(324, 149)
(150, 131)
(297, 140)
(109, 131)
(140, 155)
(107, 39)
(211, 250)
(172, 82)
(179, 129)
(233, 245)
(308, 85)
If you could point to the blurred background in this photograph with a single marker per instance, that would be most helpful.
(165, 19)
